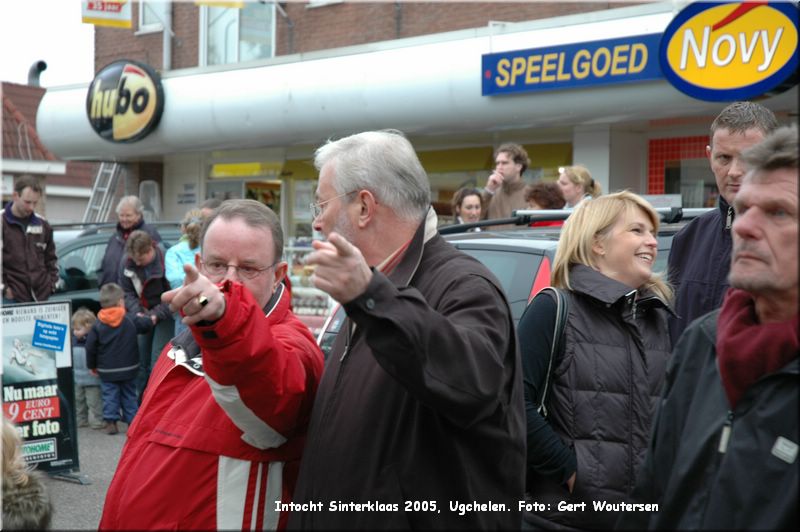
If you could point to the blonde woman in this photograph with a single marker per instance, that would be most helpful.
(183, 252)
(26, 505)
(577, 184)
(605, 384)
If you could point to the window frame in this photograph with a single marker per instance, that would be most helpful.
(202, 38)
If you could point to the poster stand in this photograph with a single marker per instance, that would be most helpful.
(38, 386)
(70, 476)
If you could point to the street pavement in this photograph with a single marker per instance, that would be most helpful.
(77, 506)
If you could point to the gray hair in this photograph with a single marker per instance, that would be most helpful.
(130, 201)
(254, 214)
(383, 162)
(738, 117)
(778, 150)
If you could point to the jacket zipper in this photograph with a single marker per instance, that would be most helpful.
(726, 433)
(729, 218)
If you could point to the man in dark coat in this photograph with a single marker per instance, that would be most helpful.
(419, 418)
(724, 449)
(30, 272)
(706, 240)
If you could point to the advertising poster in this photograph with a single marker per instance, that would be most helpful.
(38, 390)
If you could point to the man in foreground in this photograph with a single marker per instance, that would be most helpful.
(218, 438)
(420, 406)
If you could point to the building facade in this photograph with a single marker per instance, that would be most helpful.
(251, 91)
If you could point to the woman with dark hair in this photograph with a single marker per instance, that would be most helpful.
(467, 206)
(545, 195)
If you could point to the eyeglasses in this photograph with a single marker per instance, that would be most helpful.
(317, 209)
(219, 269)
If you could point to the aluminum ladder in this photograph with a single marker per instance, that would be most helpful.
(103, 190)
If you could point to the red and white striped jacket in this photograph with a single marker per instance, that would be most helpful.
(217, 441)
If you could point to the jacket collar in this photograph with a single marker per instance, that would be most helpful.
(594, 284)
(589, 281)
(10, 218)
(402, 274)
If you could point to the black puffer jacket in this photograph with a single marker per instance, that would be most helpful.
(604, 394)
(753, 485)
(699, 262)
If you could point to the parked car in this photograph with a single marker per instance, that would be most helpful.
(80, 254)
(521, 259)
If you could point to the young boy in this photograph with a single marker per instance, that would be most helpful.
(88, 401)
(113, 353)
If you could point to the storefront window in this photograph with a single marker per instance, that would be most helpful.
(234, 35)
(679, 166)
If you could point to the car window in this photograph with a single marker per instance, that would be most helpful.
(78, 267)
(515, 270)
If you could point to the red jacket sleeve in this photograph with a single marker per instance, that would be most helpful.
(263, 370)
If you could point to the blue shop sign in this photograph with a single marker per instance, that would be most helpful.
(587, 64)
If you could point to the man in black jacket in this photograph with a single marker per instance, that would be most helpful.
(419, 419)
(724, 449)
(701, 251)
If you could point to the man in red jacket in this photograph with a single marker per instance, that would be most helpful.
(217, 441)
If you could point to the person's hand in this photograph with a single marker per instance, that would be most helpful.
(154, 318)
(93, 372)
(571, 481)
(494, 182)
(198, 298)
(341, 270)
(9, 294)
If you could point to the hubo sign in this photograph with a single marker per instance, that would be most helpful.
(125, 101)
(731, 51)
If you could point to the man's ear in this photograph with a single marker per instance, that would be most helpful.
(367, 206)
(281, 269)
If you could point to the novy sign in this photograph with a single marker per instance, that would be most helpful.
(125, 101)
(731, 51)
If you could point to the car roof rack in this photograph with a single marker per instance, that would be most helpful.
(668, 215)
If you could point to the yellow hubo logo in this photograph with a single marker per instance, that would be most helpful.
(125, 101)
(730, 51)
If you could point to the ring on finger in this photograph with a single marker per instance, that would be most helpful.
(202, 300)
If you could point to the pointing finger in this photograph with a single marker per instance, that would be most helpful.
(191, 274)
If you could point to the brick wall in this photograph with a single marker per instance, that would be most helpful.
(350, 23)
(330, 26)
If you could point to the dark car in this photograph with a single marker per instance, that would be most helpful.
(80, 255)
(521, 259)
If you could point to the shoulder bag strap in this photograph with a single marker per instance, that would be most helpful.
(562, 310)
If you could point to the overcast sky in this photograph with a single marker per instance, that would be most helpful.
(48, 30)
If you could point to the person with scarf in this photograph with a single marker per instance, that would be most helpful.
(724, 450)
(131, 218)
